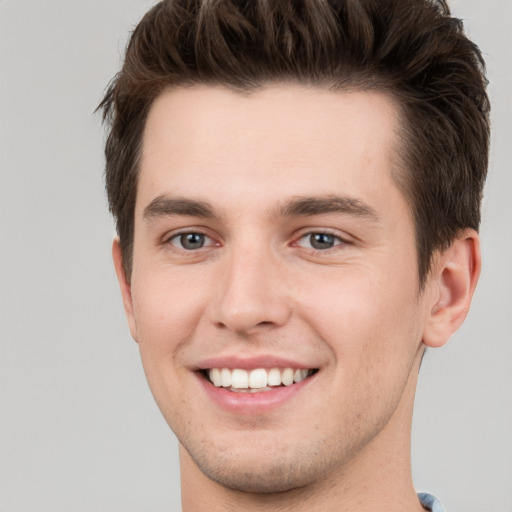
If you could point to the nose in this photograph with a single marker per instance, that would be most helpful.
(252, 292)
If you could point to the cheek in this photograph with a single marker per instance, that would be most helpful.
(167, 305)
(167, 311)
(366, 317)
(373, 331)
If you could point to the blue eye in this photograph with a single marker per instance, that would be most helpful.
(320, 241)
(190, 241)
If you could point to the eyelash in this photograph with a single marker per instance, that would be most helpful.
(181, 236)
(208, 241)
(336, 240)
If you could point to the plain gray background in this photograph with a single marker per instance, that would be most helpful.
(78, 428)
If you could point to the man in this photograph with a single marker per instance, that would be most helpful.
(297, 188)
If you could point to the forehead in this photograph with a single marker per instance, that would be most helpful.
(293, 139)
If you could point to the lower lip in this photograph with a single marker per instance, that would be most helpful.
(252, 403)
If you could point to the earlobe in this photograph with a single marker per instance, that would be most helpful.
(124, 285)
(452, 282)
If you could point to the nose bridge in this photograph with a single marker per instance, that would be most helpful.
(252, 291)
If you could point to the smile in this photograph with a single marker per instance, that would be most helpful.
(257, 380)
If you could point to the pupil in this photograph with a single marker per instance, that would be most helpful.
(322, 241)
(192, 241)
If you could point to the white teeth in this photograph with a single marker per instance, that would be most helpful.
(300, 375)
(274, 377)
(225, 375)
(239, 379)
(258, 379)
(287, 377)
(216, 377)
(304, 374)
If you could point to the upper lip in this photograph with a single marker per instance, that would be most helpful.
(251, 363)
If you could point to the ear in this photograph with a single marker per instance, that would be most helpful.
(124, 285)
(451, 286)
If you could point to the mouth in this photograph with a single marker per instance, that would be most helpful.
(257, 380)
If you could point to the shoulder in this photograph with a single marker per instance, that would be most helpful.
(430, 502)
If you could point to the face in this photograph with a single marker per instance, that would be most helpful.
(274, 292)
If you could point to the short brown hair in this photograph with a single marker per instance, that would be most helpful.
(412, 50)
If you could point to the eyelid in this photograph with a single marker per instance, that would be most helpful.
(180, 235)
(341, 239)
(170, 236)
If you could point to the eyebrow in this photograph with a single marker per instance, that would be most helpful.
(165, 206)
(321, 205)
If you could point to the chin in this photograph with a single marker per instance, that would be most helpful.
(265, 468)
(272, 477)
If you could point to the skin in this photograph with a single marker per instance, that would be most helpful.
(353, 311)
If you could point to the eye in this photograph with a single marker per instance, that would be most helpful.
(319, 241)
(190, 241)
